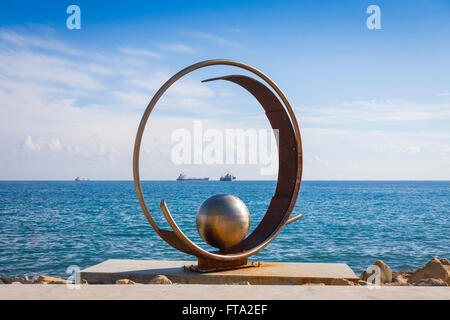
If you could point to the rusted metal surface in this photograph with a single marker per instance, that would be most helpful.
(208, 265)
(281, 117)
(287, 152)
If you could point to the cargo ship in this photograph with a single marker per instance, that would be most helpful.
(183, 177)
(227, 177)
(81, 179)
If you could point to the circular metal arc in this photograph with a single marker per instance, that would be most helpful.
(177, 238)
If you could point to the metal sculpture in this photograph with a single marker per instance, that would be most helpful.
(233, 253)
(223, 221)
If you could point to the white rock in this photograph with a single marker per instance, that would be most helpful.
(160, 279)
(124, 281)
(50, 280)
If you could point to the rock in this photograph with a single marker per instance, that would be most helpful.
(401, 277)
(50, 280)
(124, 281)
(341, 282)
(1, 281)
(434, 269)
(25, 279)
(385, 272)
(16, 282)
(313, 284)
(84, 281)
(242, 283)
(364, 276)
(5, 279)
(445, 261)
(363, 283)
(160, 279)
(431, 282)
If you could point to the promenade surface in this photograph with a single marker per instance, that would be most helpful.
(268, 273)
(225, 292)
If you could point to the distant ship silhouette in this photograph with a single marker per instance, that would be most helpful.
(183, 177)
(227, 177)
(81, 179)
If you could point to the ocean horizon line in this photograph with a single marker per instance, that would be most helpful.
(240, 180)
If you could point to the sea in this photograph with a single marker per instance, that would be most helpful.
(48, 227)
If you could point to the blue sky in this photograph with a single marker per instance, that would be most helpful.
(372, 104)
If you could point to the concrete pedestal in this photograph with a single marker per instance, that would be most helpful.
(268, 273)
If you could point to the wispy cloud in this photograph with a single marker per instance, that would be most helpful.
(135, 100)
(235, 30)
(66, 112)
(45, 60)
(413, 149)
(33, 66)
(140, 52)
(177, 47)
(393, 110)
(210, 37)
(48, 43)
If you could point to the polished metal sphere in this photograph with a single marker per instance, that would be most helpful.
(223, 221)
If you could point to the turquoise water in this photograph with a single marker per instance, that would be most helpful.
(46, 226)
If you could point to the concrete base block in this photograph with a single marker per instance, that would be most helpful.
(268, 273)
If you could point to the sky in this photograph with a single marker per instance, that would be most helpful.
(372, 104)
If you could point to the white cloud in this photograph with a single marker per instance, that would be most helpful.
(30, 41)
(413, 149)
(177, 47)
(211, 37)
(62, 116)
(30, 145)
(372, 111)
(323, 162)
(181, 88)
(41, 144)
(136, 100)
(31, 66)
(140, 52)
(55, 144)
(198, 90)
